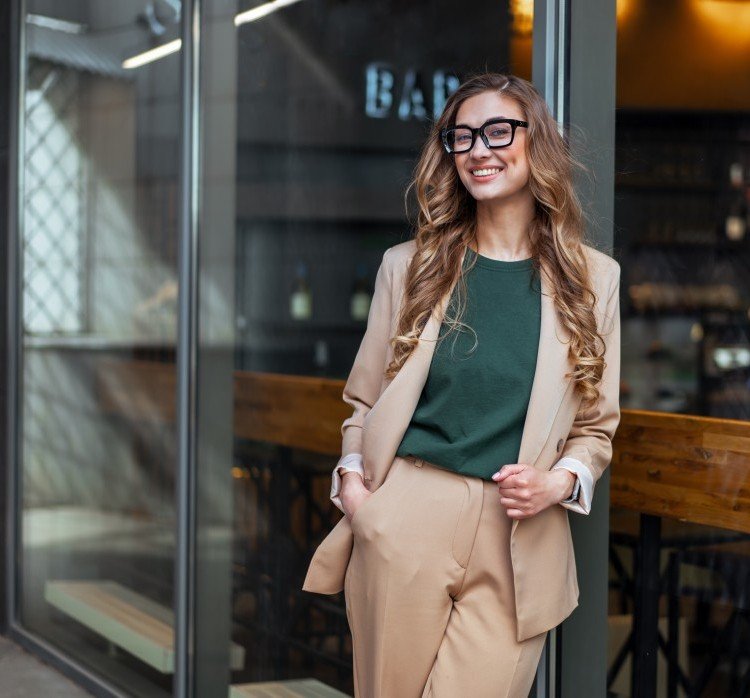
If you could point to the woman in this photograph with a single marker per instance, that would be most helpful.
(485, 396)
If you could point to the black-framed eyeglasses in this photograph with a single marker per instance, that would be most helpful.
(495, 133)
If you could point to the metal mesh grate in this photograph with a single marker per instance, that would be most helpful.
(54, 201)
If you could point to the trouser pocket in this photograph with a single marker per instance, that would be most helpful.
(374, 501)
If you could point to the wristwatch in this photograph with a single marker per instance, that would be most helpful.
(574, 496)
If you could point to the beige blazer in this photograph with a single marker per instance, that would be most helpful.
(541, 547)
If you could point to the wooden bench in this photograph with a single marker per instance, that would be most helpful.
(125, 618)
(299, 688)
(144, 629)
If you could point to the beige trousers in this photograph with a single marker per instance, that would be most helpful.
(429, 590)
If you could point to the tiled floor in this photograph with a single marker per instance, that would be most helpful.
(22, 675)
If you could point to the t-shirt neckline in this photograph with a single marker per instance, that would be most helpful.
(499, 264)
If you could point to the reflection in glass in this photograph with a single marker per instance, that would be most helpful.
(682, 212)
(680, 540)
(312, 121)
(99, 232)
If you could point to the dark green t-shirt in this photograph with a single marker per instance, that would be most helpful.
(472, 409)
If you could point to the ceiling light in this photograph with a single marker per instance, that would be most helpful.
(261, 11)
(153, 54)
(59, 25)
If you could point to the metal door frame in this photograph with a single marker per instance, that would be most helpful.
(574, 67)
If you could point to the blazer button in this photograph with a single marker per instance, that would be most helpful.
(560, 445)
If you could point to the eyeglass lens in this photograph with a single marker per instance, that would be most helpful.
(459, 139)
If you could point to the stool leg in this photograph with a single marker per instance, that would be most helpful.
(744, 691)
(646, 607)
(673, 596)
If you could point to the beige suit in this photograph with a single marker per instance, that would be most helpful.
(541, 548)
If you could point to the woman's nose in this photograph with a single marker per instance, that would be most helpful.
(480, 150)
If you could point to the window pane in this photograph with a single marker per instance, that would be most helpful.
(681, 208)
(100, 173)
(680, 539)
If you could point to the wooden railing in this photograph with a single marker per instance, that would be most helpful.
(665, 466)
(296, 411)
(683, 467)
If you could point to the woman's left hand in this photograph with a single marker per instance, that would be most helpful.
(526, 490)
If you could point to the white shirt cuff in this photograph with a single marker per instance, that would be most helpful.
(352, 462)
(585, 482)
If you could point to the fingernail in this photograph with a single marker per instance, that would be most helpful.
(495, 476)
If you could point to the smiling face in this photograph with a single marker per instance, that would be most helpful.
(493, 174)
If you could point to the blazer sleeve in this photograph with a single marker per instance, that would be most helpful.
(362, 387)
(588, 448)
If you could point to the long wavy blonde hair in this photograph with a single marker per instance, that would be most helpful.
(446, 224)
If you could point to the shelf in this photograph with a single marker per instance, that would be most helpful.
(680, 245)
(328, 202)
(697, 313)
(662, 186)
(289, 325)
(297, 688)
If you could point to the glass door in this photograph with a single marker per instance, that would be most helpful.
(99, 160)
(312, 115)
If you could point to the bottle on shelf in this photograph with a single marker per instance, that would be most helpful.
(321, 357)
(736, 175)
(300, 301)
(359, 305)
(736, 222)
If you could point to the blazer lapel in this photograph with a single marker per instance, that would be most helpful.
(550, 382)
(386, 422)
(388, 419)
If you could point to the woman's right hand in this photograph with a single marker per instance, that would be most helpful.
(353, 493)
